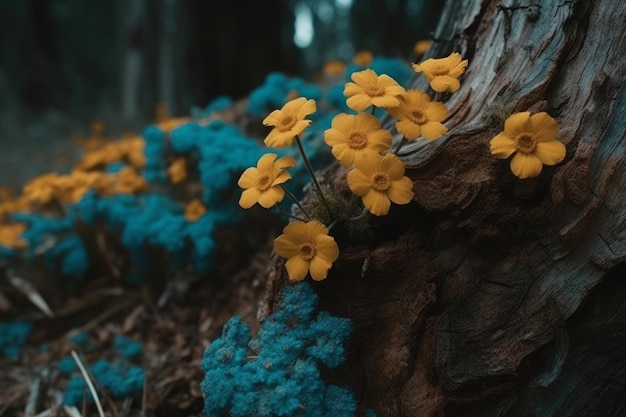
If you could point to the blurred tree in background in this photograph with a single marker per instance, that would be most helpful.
(64, 63)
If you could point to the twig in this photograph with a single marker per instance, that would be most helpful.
(30, 292)
(144, 396)
(83, 371)
(31, 404)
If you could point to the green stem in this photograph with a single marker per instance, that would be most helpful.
(403, 141)
(313, 177)
(295, 200)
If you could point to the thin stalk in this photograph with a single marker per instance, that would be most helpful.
(403, 141)
(373, 109)
(286, 213)
(313, 177)
(295, 200)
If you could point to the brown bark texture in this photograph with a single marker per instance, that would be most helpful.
(490, 295)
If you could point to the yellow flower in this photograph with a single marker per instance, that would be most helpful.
(177, 170)
(369, 89)
(11, 235)
(443, 73)
(363, 58)
(194, 210)
(421, 47)
(288, 122)
(334, 68)
(417, 116)
(41, 189)
(308, 249)
(380, 181)
(532, 139)
(128, 181)
(356, 137)
(262, 184)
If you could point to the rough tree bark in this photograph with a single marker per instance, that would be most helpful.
(493, 296)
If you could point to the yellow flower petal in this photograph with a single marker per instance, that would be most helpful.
(544, 127)
(313, 229)
(248, 178)
(319, 268)
(445, 83)
(366, 76)
(376, 203)
(550, 153)
(401, 191)
(359, 102)
(358, 182)
(276, 139)
(437, 111)
(385, 101)
(284, 247)
(285, 162)
(281, 178)
(516, 124)
(333, 137)
(327, 247)
(292, 106)
(458, 69)
(297, 268)
(525, 165)
(306, 108)
(408, 129)
(351, 89)
(299, 127)
(249, 197)
(273, 118)
(433, 130)
(392, 165)
(380, 140)
(502, 146)
(271, 196)
(266, 162)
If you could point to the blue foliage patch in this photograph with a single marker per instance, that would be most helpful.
(277, 374)
(120, 379)
(13, 336)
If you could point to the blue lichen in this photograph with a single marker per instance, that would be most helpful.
(13, 335)
(277, 374)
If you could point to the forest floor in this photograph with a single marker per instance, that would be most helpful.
(174, 319)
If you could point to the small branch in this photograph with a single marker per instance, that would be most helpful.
(92, 389)
(403, 141)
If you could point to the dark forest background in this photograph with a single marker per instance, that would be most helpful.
(65, 63)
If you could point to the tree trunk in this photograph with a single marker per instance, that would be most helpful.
(490, 295)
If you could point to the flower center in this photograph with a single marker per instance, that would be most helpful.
(286, 123)
(418, 117)
(307, 251)
(357, 140)
(439, 70)
(263, 182)
(380, 181)
(525, 143)
(375, 90)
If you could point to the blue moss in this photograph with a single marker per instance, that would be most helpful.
(277, 374)
(120, 380)
(13, 335)
(127, 348)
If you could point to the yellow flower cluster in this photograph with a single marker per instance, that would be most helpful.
(10, 232)
(359, 143)
(68, 189)
(129, 150)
